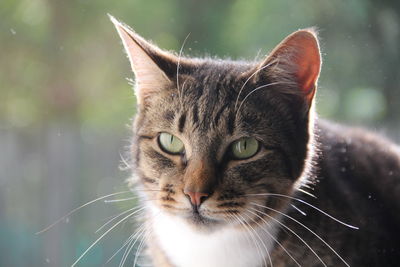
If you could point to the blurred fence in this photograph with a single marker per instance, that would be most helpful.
(46, 172)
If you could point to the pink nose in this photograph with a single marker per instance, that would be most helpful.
(196, 198)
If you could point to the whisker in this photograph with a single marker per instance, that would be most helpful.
(248, 79)
(311, 231)
(244, 223)
(178, 66)
(141, 244)
(231, 220)
(131, 246)
(254, 90)
(234, 218)
(114, 218)
(148, 190)
(266, 249)
(299, 210)
(308, 204)
(139, 198)
(78, 208)
(306, 192)
(120, 200)
(125, 162)
(307, 186)
(271, 235)
(145, 233)
(105, 233)
(293, 232)
(251, 234)
(182, 88)
(128, 241)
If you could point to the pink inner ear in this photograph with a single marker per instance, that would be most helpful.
(308, 61)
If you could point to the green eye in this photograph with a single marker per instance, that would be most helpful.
(170, 143)
(245, 147)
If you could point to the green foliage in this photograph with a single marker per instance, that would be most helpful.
(64, 59)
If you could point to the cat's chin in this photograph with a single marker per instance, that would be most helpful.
(202, 223)
(199, 221)
(193, 218)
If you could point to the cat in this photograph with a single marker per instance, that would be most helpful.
(235, 169)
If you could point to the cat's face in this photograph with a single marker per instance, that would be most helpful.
(214, 137)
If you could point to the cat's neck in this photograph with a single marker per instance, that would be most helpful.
(232, 246)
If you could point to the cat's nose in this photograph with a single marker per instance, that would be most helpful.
(196, 198)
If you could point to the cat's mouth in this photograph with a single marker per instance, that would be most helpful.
(202, 222)
(198, 218)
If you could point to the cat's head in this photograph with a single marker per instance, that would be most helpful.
(214, 137)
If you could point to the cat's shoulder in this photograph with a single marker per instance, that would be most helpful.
(360, 159)
(334, 139)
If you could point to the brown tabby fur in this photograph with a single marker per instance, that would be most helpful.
(351, 174)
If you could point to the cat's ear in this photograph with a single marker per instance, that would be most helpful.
(298, 58)
(153, 68)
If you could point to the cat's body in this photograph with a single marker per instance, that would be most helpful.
(235, 170)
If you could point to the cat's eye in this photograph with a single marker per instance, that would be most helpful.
(170, 143)
(245, 148)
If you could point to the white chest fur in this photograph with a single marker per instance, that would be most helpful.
(186, 247)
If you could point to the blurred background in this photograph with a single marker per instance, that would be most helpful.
(65, 101)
